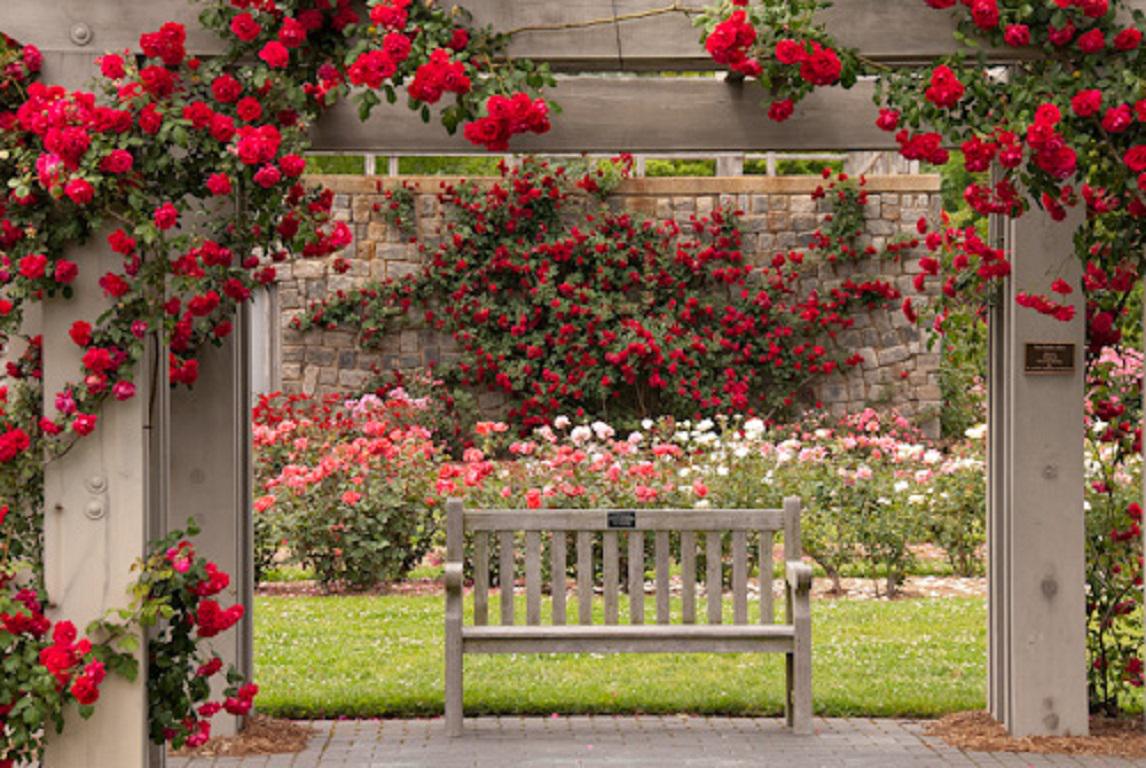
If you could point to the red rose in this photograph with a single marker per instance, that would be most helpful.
(781, 110)
(114, 285)
(222, 128)
(267, 176)
(244, 27)
(84, 423)
(66, 271)
(1128, 39)
(459, 39)
(1117, 119)
(275, 55)
(12, 443)
(121, 242)
(150, 120)
(226, 89)
(79, 191)
(111, 66)
(888, 119)
(985, 13)
(219, 184)
(33, 266)
(945, 89)
(1017, 35)
(292, 33)
(158, 81)
(822, 67)
(790, 52)
(166, 216)
(249, 109)
(1092, 42)
(397, 46)
(1087, 103)
(1061, 36)
(81, 333)
(292, 165)
(117, 161)
(1135, 158)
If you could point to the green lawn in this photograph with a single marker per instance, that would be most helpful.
(382, 657)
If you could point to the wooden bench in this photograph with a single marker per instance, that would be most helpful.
(584, 528)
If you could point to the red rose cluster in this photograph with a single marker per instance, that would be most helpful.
(506, 117)
(731, 42)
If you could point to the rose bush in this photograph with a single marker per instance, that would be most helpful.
(347, 485)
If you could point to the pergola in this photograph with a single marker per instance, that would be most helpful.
(168, 455)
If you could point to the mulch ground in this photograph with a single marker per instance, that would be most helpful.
(979, 732)
(262, 736)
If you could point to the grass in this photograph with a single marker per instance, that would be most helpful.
(371, 656)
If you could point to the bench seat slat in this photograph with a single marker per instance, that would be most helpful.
(646, 519)
(647, 638)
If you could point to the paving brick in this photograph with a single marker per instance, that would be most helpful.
(639, 742)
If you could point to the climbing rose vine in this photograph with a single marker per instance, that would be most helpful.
(590, 311)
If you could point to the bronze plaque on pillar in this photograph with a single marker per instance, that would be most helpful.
(1049, 359)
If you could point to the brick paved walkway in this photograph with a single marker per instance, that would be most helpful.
(631, 742)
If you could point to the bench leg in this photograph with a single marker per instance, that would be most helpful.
(454, 712)
(800, 689)
(788, 689)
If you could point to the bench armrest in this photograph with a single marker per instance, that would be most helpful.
(799, 577)
(453, 578)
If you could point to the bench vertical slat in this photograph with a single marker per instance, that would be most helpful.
(557, 575)
(533, 577)
(688, 576)
(584, 578)
(662, 562)
(505, 574)
(481, 578)
(793, 546)
(636, 577)
(610, 573)
(712, 582)
(767, 612)
(739, 577)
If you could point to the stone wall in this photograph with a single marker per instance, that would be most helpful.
(779, 214)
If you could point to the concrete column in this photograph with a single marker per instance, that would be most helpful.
(1037, 644)
(209, 463)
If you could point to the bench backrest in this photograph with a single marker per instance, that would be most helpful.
(593, 531)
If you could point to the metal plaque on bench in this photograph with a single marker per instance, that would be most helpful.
(623, 519)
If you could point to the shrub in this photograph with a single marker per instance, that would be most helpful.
(348, 485)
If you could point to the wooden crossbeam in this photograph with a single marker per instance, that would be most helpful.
(638, 114)
(883, 30)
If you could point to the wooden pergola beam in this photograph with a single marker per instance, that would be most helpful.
(893, 32)
(637, 114)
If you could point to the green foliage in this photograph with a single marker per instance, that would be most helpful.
(336, 165)
(469, 167)
(655, 167)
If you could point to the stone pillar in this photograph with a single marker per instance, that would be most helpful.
(99, 514)
(1037, 641)
(209, 465)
